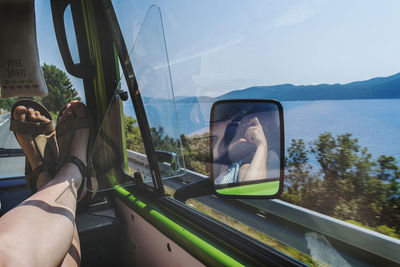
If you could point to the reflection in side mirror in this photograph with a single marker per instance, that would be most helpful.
(247, 148)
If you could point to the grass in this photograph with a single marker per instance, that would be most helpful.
(383, 229)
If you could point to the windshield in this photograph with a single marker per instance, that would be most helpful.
(9, 164)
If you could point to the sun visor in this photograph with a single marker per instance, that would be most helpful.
(20, 71)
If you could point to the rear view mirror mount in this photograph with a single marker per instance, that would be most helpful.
(247, 148)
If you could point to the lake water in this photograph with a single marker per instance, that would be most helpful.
(375, 123)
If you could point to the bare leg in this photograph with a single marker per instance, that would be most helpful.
(73, 257)
(40, 231)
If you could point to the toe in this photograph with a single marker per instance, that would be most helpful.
(65, 114)
(31, 114)
(37, 115)
(68, 113)
(20, 113)
(78, 108)
(43, 118)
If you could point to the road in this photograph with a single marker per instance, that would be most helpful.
(9, 166)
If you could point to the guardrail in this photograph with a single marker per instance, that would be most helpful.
(305, 221)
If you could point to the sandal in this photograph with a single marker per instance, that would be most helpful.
(66, 130)
(43, 138)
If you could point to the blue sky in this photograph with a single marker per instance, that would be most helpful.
(218, 46)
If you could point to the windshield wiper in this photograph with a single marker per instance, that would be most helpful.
(11, 152)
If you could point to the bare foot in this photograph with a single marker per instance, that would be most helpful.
(78, 146)
(27, 114)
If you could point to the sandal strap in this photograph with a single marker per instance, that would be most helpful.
(81, 166)
(39, 169)
(85, 170)
(27, 127)
(33, 175)
(32, 128)
(73, 124)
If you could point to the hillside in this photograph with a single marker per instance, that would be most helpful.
(376, 88)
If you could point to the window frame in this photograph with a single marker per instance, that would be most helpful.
(249, 249)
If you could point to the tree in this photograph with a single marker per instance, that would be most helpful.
(347, 185)
(196, 152)
(60, 88)
(389, 173)
(7, 103)
(387, 168)
(301, 184)
(297, 154)
(160, 141)
(133, 137)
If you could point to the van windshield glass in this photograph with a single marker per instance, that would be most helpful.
(11, 162)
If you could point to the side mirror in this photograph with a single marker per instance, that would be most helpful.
(247, 148)
(170, 158)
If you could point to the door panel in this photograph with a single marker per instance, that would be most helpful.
(148, 246)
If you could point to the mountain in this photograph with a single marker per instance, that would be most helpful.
(194, 112)
(376, 88)
(194, 99)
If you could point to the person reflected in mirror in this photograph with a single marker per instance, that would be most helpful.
(247, 152)
(253, 136)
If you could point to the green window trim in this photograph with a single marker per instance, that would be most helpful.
(262, 189)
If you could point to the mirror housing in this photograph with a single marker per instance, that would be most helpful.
(247, 148)
(168, 157)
